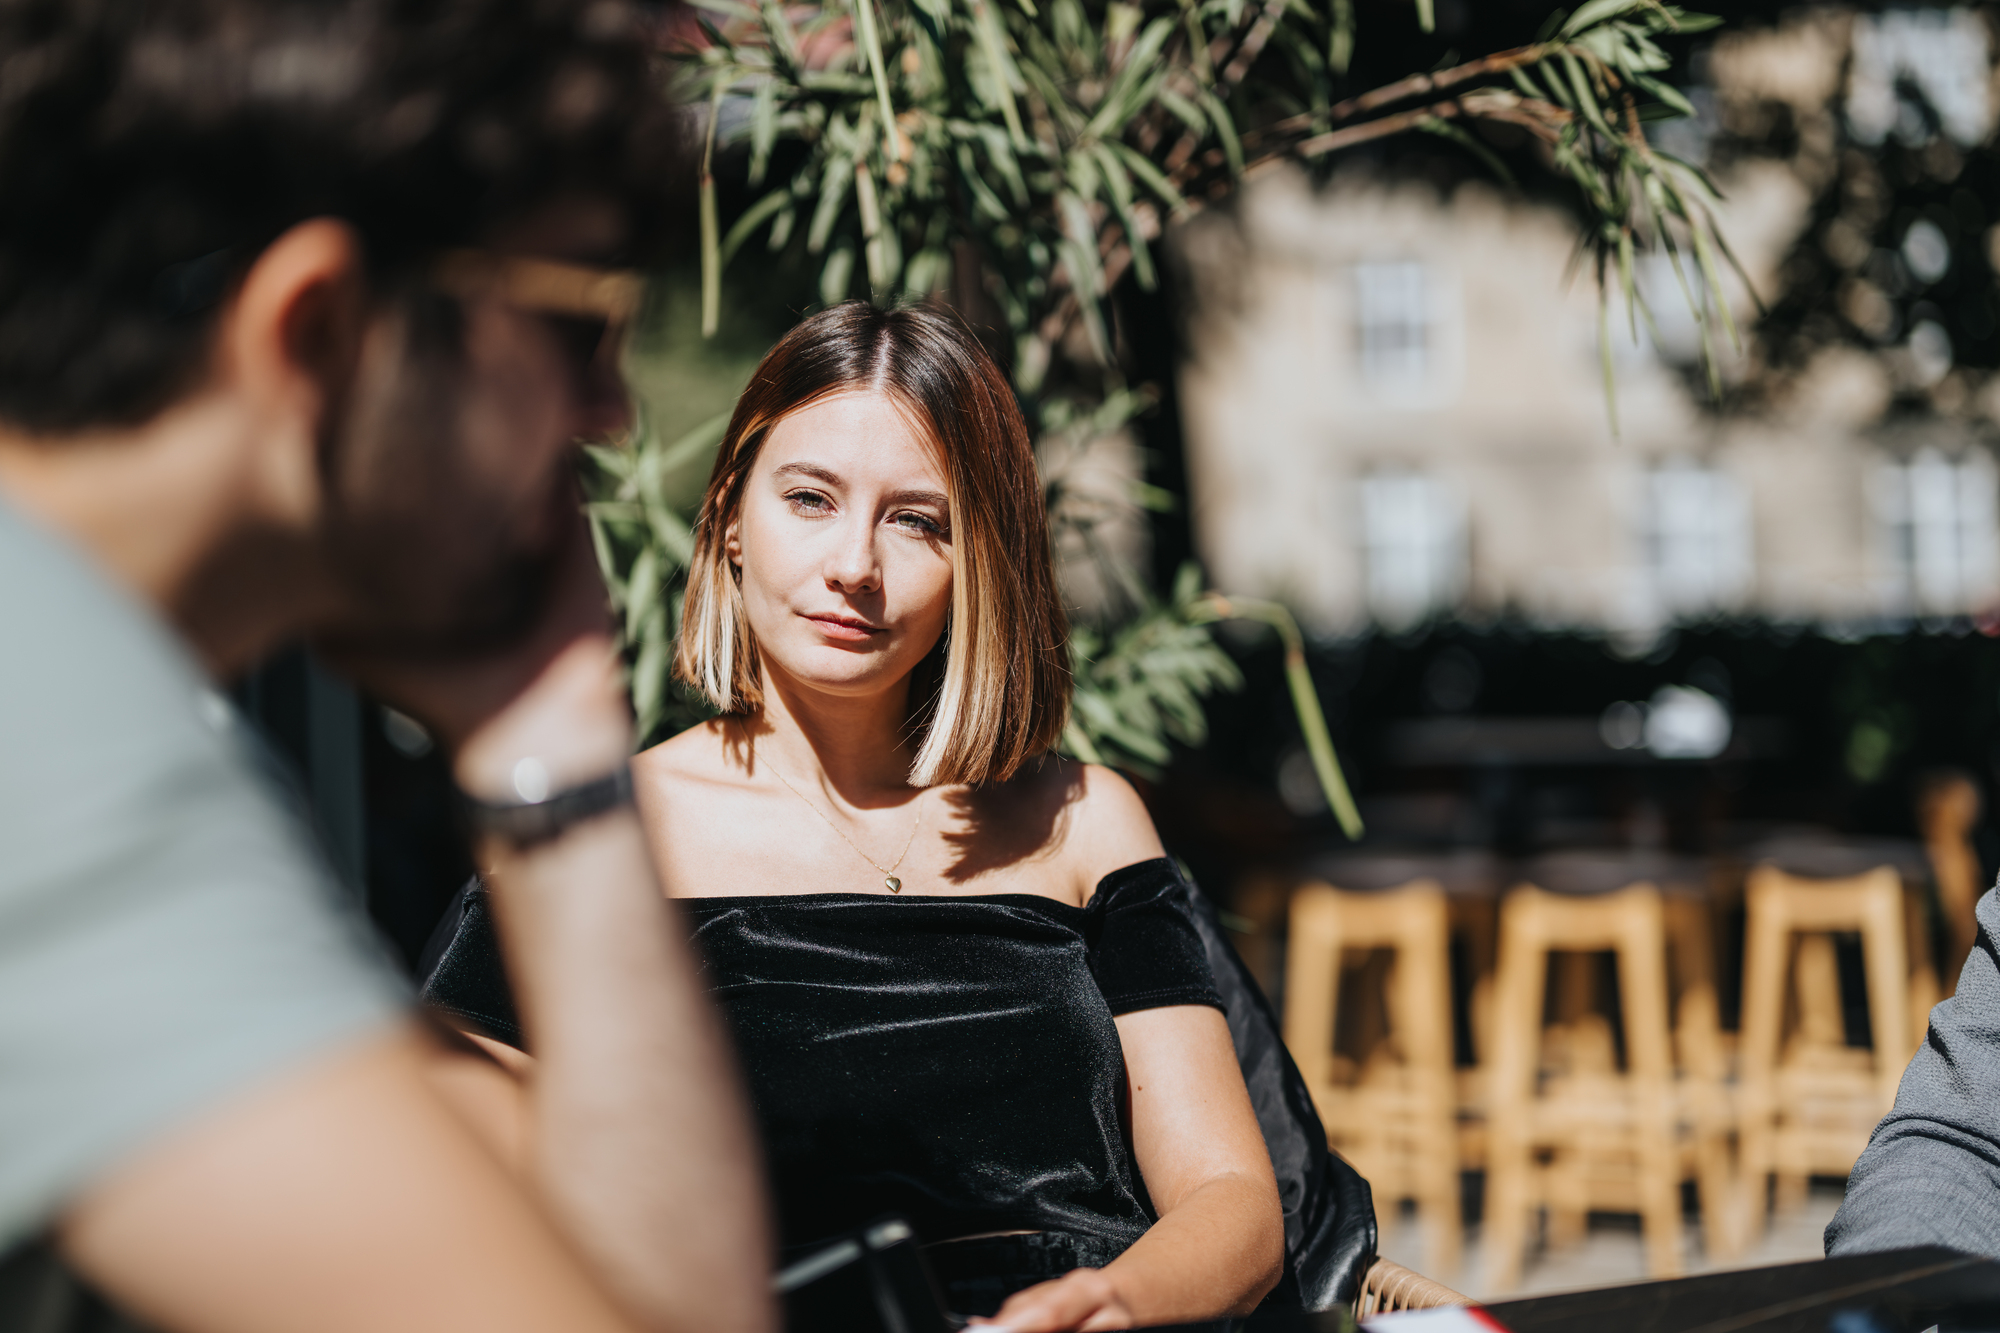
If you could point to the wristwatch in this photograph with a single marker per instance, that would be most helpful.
(526, 824)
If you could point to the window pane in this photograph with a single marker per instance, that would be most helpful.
(1413, 529)
(1392, 303)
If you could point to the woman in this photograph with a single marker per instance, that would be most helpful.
(957, 967)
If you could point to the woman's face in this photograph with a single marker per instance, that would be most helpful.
(844, 542)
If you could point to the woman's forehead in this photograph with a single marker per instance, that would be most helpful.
(856, 435)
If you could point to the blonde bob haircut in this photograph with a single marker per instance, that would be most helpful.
(994, 692)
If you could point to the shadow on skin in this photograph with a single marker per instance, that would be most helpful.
(1008, 824)
(1013, 823)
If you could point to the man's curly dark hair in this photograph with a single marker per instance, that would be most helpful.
(150, 149)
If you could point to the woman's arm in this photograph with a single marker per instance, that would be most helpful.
(1219, 1243)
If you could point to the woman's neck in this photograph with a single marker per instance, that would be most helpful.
(854, 747)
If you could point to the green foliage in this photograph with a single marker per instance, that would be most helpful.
(643, 546)
(1141, 685)
(1052, 138)
(1043, 145)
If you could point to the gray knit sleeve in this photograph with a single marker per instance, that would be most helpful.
(1931, 1172)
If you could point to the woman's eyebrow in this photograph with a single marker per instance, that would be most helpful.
(829, 477)
(813, 470)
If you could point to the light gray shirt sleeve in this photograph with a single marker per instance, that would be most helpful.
(1931, 1172)
(169, 937)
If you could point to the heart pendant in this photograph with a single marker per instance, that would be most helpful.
(895, 885)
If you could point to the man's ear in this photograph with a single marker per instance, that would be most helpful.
(290, 341)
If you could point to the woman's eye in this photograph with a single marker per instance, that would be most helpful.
(919, 523)
(810, 501)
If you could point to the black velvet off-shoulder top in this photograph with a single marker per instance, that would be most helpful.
(949, 1059)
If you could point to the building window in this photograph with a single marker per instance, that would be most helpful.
(1413, 528)
(1393, 304)
(1939, 520)
(1697, 538)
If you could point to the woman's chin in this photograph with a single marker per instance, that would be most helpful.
(840, 669)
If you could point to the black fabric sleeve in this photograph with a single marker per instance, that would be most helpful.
(463, 971)
(1147, 953)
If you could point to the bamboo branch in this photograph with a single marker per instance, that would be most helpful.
(1334, 140)
(1402, 90)
(1250, 48)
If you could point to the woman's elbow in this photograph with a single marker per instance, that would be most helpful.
(1264, 1251)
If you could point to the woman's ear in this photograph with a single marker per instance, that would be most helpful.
(732, 542)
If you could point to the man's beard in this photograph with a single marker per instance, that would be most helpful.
(437, 559)
(424, 596)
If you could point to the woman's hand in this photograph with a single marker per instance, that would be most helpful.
(1085, 1300)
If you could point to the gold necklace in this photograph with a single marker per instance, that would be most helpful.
(889, 880)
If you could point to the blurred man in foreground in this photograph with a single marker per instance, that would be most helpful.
(303, 305)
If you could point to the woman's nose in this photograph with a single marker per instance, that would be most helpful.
(851, 565)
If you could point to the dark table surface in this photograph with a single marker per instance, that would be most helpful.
(1906, 1291)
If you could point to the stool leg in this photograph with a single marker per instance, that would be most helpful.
(1698, 1025)
(1312, 988)
(1566, 1194)
(1517, 1023)
(1764, 956)
(1477, 923)
(1924, 993)
(1887, 963)
(1643, 987)
(1422, 1020)
(1816, 985)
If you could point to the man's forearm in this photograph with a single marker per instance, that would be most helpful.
(643, 1138)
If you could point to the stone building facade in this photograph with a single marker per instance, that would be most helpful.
(1394, 404)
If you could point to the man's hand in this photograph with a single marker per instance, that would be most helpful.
(533, 696)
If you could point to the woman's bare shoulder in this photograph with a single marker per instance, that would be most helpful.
(1096, 822)
(699, 754)
(1110, 826)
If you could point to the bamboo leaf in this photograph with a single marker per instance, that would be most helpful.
(1593, 12)
(1225, 130)
(1319, 745)
(837, 274)
(1706, 258)
(1121, 101)
(1667, 93)
(753, 217)
(1340, 38)
(1005, 76)
(1444, 129)
(1151, 176)
(833, 185)
(711, 260)
(1625, 281)
(1118, 184)
(1604, 357)
(1586, 96)
(763, 128)
(871, 43)
(778, 33)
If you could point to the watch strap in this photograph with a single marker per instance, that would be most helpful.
(531, 823)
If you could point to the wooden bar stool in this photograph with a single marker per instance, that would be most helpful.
(1808, 1100)
(1471, 878)
(1946, 811)
(1377, 1050)
(1611, 1139)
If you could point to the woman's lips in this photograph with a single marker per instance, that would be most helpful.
(839, 627)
